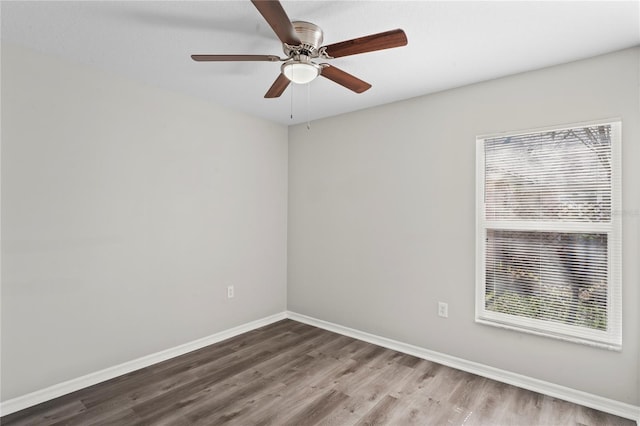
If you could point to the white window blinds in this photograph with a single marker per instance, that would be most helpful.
(548, 233)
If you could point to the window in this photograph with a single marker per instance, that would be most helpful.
(549, 233)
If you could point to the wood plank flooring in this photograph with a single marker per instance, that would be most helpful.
(289, 373)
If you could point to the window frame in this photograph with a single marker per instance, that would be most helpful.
(612, 337)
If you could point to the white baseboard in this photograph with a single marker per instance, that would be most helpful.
(583, 398)
(55, 391)
(561, 392)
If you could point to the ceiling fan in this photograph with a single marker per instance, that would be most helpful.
(301, 42)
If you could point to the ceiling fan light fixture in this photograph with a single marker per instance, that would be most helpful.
(301, 72)
(302, 43)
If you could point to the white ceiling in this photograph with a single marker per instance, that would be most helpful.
(451, 44)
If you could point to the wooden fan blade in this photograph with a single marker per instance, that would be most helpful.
(276, 17)
(344, 79)
(215, 58)
(278, 87)
(370, 43)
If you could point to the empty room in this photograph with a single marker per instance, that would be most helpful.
(258, 212)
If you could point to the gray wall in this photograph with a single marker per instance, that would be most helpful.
(382, 218)
(126, 211)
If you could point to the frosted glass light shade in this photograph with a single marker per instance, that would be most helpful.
(300, 72)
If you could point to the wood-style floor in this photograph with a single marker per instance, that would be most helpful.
(289, 373)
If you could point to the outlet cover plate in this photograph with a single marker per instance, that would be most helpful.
(443, 309)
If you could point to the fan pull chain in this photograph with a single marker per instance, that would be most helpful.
(308, 106)
(291, 103)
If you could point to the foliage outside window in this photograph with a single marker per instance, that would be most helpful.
(549, 241)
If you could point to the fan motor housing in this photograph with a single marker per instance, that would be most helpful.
(310, 35)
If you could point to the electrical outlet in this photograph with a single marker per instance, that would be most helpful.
(230, 292)
(443, 310)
